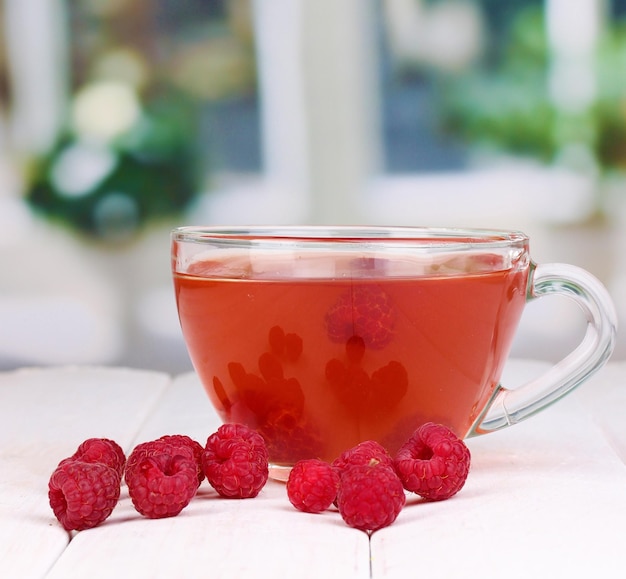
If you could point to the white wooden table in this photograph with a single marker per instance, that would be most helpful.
(546, 498)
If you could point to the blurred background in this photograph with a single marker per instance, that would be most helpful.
(120, 119)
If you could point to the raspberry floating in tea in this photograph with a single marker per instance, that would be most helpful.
(364, 311)
(289, 440)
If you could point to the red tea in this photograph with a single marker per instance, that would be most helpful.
(321, 352)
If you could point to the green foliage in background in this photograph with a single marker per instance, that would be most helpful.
(506, 104)
(109, 189)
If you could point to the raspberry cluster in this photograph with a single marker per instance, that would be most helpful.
(368, 485)
(162, 475)
(85, 487)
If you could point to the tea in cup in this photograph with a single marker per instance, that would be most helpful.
(320, 338)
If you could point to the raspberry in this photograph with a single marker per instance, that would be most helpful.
(312, 485)
(365, 312)
(83, 494)
(103, 451)
(370, 496)
(161, 485)
(362, 454)
(235, 461)
(289, 437)
(195, 446)
(171, 445)
(434, 462)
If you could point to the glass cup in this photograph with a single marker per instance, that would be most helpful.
(322, 337)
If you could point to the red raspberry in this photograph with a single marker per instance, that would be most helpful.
(235, 461)
(83, 494)
(363, 311)
(103, 451)
(370, 496)
(161, 485)
(194, 445)
(312, 485)
(434, 462)
(171, 445)
(363, 453)
(289, 437)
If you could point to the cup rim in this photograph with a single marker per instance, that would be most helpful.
(372, 235)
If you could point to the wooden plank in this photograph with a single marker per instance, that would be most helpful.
(214, 537)
(44, 415)
(261, 537)
(544, 498)
(183, 409)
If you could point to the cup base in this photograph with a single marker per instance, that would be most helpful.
(279, 473)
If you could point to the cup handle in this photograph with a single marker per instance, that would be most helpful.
(508, 407)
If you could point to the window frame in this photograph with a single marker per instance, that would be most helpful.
(322, 140)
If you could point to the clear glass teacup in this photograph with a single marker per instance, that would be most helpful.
(322, 337)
